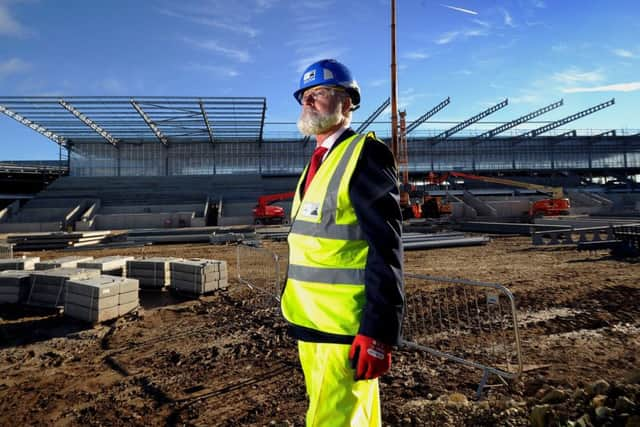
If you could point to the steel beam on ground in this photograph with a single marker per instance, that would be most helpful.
(35, 126)
(446, 134)
(90, 123)
(558, 123)
(520, 120)
(426, 116)
(154, 128)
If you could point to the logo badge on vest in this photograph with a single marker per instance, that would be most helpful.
(310, 209)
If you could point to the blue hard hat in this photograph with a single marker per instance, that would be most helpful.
(329, 72)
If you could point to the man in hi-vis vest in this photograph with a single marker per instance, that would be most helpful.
(344, 296)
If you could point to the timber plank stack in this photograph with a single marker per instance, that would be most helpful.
(27, 263)
(197, 277)
(14, 286)
(48, 287)
(64, 262)
(152, 273)
(110, 265)
(102, 298)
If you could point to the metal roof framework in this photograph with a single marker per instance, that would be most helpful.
(117, 119)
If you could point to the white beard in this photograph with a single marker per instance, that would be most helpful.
(313, 122)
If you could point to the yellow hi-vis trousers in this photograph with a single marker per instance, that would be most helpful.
(335, 399)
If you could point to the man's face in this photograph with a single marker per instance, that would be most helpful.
(322, 109)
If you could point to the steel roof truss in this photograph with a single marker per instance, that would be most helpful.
(35, 126)
(426, 116)
(373, 116)
(446, 134)
(90, 123)
(154, 128)
(520, 120)
(558, 123)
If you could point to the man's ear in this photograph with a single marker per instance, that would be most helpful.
(346, 105)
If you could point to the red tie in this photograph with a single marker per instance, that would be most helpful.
(314, 164)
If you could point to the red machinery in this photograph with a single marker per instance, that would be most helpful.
(265, 213)
(556, 205)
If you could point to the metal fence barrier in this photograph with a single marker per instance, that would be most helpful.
(6, 250)
(468, 322)
(471, 323)
(259, 269)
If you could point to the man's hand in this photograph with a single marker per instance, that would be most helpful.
(370, 358)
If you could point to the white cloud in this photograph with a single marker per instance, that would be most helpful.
(227, 24)
(215, 70)
(484, 24)
(301, 64)
(13, 66)
(459, 9)
(416, 55)
(452, 36)
(540, 4)
(239, 55)
(378, 82)
(508, 20)
(447, 38)
(619, 87)
(624, 53)
(575, 75)
(9, 26)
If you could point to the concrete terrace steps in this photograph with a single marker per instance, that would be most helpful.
(149, 201)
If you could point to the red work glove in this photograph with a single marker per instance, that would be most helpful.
(370, 358)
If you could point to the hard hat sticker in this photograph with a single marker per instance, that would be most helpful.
(309, 75)
(328, 75)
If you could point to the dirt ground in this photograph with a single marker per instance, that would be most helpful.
(224, 359)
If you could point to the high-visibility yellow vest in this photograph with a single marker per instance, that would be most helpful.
(327, 249)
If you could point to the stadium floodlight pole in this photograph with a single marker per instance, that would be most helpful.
(394, 84)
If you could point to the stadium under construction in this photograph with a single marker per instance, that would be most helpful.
(137, 162)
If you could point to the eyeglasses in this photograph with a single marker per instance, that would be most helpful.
(322, 92)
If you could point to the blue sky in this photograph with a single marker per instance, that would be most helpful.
(533, 52)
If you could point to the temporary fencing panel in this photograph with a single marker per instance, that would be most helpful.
(259, 269)
(6, 250)
(471, 323)
(468, 322)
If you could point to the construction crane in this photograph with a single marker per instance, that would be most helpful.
(558, 204)
(265, 213)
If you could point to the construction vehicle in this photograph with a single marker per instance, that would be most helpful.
(558, 204)
(265, 213)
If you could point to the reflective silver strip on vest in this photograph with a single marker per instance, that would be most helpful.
(327, 227)
(347, 276)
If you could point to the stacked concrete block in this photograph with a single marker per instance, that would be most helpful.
(48, 287)
(199, 276)
(14, 286)
(27, 263)
(64, 262)
(152, 273)
(110, 265)
(101, 298)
